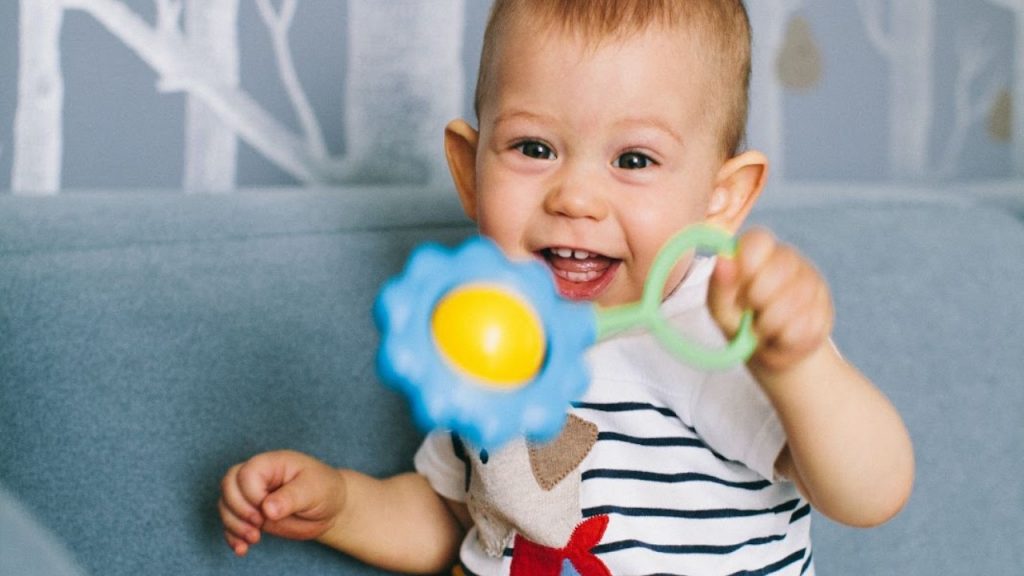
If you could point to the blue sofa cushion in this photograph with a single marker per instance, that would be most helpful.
(150, 341)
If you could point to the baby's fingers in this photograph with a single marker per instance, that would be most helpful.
(795, 326)
(730, 282)
(754, 250)
(240, 535)
(723, 296)
(299, 497)
(235, 501)
(776, 275)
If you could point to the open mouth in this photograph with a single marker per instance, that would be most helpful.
(580, 274)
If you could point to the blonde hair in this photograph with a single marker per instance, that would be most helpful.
(722, 26)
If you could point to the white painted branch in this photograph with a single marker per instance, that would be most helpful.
(211, 146)
(766, 129)
(874, 17)
(38, 131)
(279, 25)
(183, 68)
(168, 17)
(395, 110)
(405, 82)
(974, 54)
(909, 48)
(1017, 122)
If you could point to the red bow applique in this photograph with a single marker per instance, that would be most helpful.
(530, 559)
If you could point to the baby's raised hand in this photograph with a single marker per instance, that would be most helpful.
(286, 494)
(792, 304)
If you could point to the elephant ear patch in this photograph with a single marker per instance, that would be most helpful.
(553, 461)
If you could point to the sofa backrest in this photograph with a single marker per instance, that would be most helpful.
(148, 342)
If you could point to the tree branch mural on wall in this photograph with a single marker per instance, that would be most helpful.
(279, 24)
(404, 79)
(38, 131)
(771, 18)
(975, 53)
(211, 145)
(1016, 99)
(394, 111)
(903, 31)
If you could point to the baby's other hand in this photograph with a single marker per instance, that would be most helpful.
(792, 304)
(285, 493)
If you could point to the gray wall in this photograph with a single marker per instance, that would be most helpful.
(120, 131)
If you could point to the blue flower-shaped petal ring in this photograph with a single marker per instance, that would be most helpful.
(445, 396)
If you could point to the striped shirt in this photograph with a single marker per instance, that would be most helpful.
(683, 466)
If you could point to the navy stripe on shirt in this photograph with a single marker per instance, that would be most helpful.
(801, 513)
(775, 567)
(807, 563)
(630, 407)
(709, 514)
(661, 442)
(681, 477)
(766, 571)
(681, 549)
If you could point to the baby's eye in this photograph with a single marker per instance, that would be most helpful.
(535, 149)
(633, 161)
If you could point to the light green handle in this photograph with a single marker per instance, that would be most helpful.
(645, 313)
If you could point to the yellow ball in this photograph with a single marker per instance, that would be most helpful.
(490, 334)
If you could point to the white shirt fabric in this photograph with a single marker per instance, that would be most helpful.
(683, 465)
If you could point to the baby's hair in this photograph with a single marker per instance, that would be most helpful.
(722, 26)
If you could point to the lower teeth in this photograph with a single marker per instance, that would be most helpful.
(580, 276)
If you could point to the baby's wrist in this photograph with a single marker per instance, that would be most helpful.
(809, 369)
(337, 494)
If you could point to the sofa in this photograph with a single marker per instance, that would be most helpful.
(150, 340)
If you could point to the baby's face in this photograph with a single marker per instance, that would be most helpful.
(591, 157)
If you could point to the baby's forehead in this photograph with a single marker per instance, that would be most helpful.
(716, 31)
(595, 33)
(566, 51)
(583, 44)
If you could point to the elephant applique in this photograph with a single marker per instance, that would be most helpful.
(530, 494)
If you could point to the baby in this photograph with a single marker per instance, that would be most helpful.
(606, 126)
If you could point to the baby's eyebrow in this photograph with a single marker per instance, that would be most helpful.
(519, 115)
(655, 124)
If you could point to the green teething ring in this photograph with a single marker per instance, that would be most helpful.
(645, 313)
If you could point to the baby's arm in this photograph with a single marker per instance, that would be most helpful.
(847, 447)
(398, 524)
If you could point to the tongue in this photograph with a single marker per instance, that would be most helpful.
(573, 266)
(582, 279)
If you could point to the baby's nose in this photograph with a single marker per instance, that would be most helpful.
(578, 195)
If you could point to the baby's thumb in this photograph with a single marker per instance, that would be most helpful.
(723, 295)
(289, 499)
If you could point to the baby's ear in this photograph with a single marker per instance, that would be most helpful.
(737, 186)
(460, 142)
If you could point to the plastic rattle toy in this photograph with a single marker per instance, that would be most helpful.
(487, 348)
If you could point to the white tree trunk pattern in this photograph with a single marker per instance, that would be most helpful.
(1017, 106)
(905, 36)
(211, 146)
(182, 68)
(38, 131)
(405, 82)
(975, 54)
(766, 129)
(279, 24)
